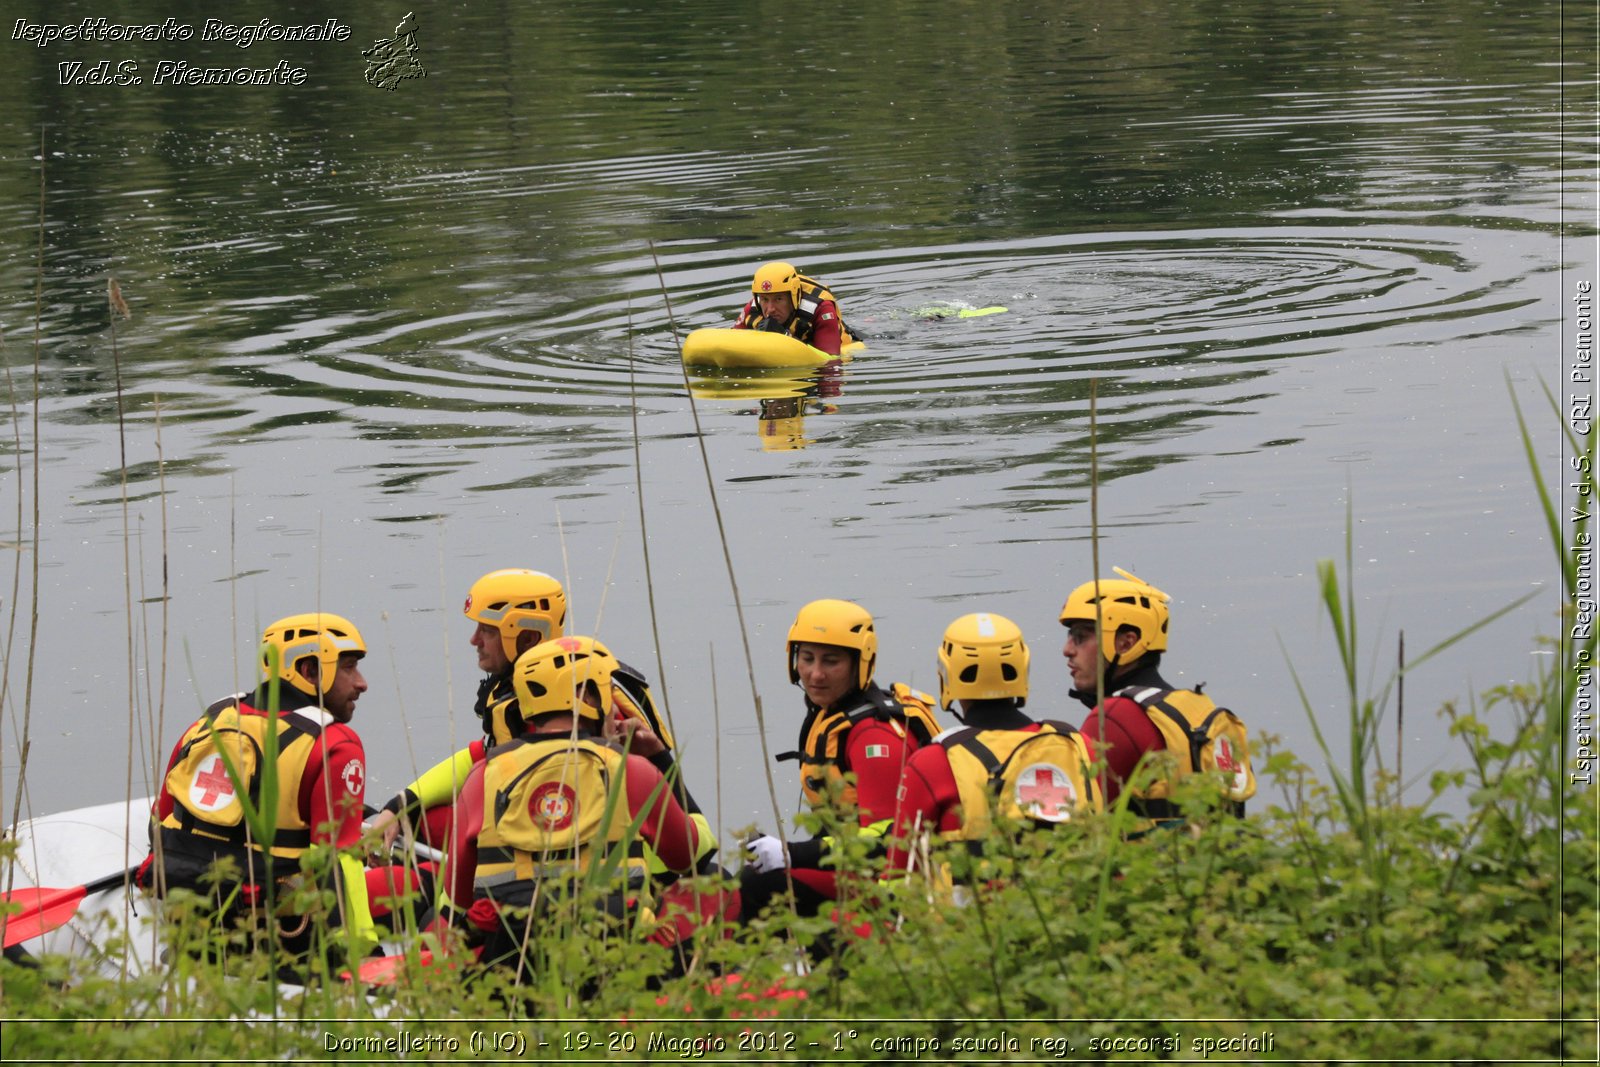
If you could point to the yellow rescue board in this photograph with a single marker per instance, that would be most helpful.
(754, 348)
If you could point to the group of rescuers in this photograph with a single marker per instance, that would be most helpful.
(576, 768)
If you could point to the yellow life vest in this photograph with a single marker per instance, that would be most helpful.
(631, 695)
(908, 711)
(1038, 777)
(803, 322)
(206, 799)
(552, 806)
(1202, 739)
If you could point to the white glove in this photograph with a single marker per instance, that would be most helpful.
(765, 853)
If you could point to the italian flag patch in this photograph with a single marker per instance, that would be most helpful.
(877, 751)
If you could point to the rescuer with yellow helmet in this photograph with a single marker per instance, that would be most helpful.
(1116, 634)
(853, 744)
(1000, 762)
(545, 812)
(513, 610)
(782, 300)
(310, 681)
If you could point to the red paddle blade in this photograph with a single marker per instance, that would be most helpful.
(739, 1001)
(684, 912)
(385, 970)
(43, 910)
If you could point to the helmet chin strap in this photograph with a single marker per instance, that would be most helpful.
(1108, 670)
(1111, 664)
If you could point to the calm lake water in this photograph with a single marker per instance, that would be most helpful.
(384, 341)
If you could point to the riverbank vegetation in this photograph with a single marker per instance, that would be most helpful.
(1293, 934)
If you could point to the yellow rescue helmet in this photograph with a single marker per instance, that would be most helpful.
(551, 677)
(517, 600)
(316, 635)
(982, 657)
(1125, 601)
(839, 623)
(777, 277)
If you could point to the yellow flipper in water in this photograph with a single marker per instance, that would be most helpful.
(950, 311)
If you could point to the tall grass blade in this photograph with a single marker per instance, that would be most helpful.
(727, 559)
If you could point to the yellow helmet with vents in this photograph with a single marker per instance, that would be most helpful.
(1125, 601)
(517, 600)
(982, 657)
(313, 635)
(777, 277)
(839, 623)
(551, 678)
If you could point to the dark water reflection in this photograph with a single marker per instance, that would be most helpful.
(387, 341)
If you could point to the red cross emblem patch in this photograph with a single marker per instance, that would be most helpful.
(1229, 763)
(355, 777)
(552, 806)
(766, 287)
(212, 789)
(1044, 791)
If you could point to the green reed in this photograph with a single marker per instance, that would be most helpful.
(1553, 703)
(1366, 792)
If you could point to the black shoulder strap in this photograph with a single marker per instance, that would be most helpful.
(1157, 701)
(297, 725)
(805, 307)
(877, 704)
(222, 705)
(968, 739)
(210, 716)
(1196, 732)
(1142, 695)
